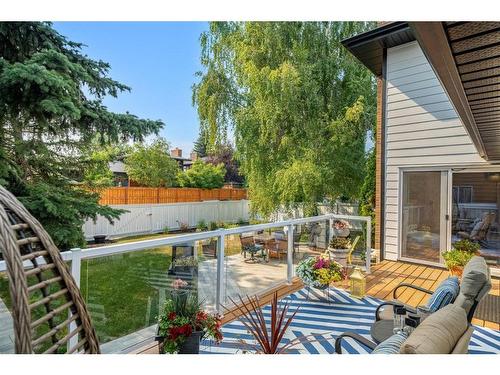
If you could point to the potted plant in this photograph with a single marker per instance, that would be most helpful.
(340, 228)
(467, 246)
(319, 272)
(269, 332)
(339, 248)
(182, 323)
(456, 258)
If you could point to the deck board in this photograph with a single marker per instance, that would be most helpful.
(380, 283)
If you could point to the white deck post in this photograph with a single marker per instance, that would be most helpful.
(76, 262)
(219, 296)
(289, 269)
(368, 243)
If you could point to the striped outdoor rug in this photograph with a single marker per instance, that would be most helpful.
(326, 320)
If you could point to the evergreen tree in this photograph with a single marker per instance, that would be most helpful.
(50, 112)
(200, 145)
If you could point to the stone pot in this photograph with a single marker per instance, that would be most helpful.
(190, 346)
(339, 255)
(345, 232)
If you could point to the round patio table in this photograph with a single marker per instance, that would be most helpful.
(381, 330)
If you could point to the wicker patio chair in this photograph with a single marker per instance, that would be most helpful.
(44, 296)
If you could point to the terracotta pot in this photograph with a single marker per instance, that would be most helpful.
(456, 271)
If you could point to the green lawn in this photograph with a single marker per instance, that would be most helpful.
(120, 289)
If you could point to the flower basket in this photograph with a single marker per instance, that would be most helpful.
(340, 228)
(319, 272)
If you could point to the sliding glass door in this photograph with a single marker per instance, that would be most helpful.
(424, 214)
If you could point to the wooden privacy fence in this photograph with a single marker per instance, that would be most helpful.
(146, 195)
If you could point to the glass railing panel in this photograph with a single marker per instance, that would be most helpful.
(6, 322)
(254, 261)
(125, 292)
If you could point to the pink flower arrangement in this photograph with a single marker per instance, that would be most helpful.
(321, 263)
(339, 224)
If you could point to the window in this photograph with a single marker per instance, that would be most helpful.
(462, 194)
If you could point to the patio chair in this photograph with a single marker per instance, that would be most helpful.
(209, 248)
(277, 248)
(248, 245)
(480, 229)
(45, 298)
(446, 331)
(475, 284)
(351, 249)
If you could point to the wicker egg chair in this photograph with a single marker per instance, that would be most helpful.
(45, 299)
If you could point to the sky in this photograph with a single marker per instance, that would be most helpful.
(158, 60)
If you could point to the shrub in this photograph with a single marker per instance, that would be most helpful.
(221, 224)
(201, 225)
(166, 229)
(241, 221)
(212, 225)
(340, 243)
(467, 246)
(151, 165)
(202, 175)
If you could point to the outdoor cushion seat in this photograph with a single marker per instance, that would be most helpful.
(444, 294)
(439, 333)
(392, 345)
(446, 331)
(476, 283)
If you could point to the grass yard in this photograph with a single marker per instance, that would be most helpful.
(123, 291)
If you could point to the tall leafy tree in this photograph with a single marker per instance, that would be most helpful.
(225, 155)
(151, 165)
(50, 111)
(298, 104)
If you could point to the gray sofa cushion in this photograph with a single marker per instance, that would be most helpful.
(475, 284)
(392, 345)
(439, 333)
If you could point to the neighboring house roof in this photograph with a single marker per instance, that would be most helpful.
(117, 167)
(466, 59)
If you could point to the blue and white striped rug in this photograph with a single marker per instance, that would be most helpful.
(321, 318)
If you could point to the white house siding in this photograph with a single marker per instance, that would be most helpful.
(422, 129)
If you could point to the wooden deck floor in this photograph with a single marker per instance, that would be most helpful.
(385, 276)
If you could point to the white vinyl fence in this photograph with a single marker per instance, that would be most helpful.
(150, 218)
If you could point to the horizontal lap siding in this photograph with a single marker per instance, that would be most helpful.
(421, 129)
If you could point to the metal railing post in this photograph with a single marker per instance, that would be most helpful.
(219, 296)
(76, 261)
(289, 258)
(368, 243)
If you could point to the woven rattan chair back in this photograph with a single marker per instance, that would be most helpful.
(44, 297)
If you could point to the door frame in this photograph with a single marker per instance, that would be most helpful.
(446, 203)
